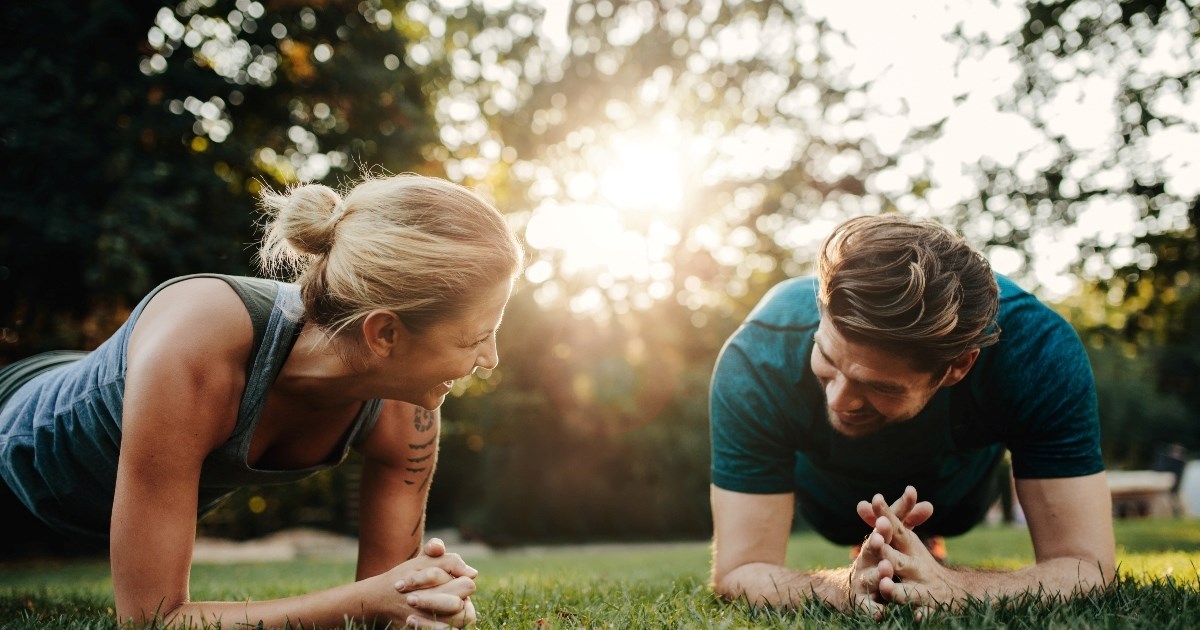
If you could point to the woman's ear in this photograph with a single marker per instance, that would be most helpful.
(384, 333)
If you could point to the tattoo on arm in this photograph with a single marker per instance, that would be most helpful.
(423, 419)
(417, 469)
(416, 528)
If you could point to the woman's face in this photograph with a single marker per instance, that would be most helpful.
(452, 349)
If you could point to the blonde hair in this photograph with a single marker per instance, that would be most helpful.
(423, 247)
(910, 287)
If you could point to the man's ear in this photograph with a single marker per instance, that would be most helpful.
(959, 367)
(384, 332)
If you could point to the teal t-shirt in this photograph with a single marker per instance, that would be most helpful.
(1032, 393)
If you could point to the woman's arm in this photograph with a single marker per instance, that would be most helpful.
(399, 458)
(184, 380)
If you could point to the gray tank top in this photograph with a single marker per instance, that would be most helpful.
(60, 418)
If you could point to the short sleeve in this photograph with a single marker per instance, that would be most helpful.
(752, 420)
(1042, 365)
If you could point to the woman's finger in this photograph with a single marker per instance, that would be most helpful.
(442, 605)
(456, 566)
(417, 621)
(434, 548)
(422, 579)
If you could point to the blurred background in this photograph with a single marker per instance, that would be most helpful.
(665, 163)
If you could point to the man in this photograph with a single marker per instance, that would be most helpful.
(905, 365)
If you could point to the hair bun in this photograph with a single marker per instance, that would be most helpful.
(308, 221)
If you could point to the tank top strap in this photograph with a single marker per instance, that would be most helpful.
(280, 331)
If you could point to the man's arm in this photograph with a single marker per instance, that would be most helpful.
(750, 535)
(1070, 524)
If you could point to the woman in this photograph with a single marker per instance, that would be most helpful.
(218, 382)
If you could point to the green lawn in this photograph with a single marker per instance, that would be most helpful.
(664, 586)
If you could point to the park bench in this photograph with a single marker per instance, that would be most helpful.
(1142, 493)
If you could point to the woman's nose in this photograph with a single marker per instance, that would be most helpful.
(489, 355)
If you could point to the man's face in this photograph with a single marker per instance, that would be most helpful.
(867, 388)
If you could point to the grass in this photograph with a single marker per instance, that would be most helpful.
(664, 586)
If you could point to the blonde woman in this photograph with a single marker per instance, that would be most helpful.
(218, 382)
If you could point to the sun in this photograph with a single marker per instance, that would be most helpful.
(644, 176)
(619, 217)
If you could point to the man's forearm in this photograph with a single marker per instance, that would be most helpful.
(1060, 577)
(779, 587)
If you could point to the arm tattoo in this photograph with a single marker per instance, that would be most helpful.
(418, 460)
(423, 419)
(423, 445)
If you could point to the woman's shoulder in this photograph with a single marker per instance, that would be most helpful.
(201, 315)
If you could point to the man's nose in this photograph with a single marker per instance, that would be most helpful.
(841, 395)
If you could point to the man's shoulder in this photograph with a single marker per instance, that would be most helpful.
(777, 334)
(791, 304)
(1021, 310)
(1034, 338)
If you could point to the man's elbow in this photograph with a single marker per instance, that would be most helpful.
(1105, 571)
(735, 583)
(722, 586)
(1087, 571)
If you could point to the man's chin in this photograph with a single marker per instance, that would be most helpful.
(854, 428)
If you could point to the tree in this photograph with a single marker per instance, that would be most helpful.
(141, 136)
(691, 85)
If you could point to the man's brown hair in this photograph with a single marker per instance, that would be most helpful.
(909, 287)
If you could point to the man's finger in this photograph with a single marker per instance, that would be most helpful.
(866, 513)
(883, 534)
(919, 514)
(905, 503)
(891, 590)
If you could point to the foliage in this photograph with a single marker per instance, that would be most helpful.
(612, 447)
(144, 134)
(1151, 269)
(764, 126)
(1137, 419)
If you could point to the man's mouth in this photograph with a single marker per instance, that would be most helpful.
(856, 418)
